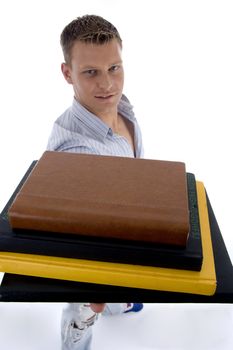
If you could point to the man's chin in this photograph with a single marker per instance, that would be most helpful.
(108, 103)
(102, 106)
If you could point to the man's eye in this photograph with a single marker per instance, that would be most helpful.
(114, 68)
(90, 72)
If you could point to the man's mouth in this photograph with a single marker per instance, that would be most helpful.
(104, 97)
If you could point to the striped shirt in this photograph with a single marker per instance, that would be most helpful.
(78, 130)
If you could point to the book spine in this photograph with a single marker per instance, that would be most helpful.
(104, 220)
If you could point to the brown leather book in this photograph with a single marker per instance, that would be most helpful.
(126, 198)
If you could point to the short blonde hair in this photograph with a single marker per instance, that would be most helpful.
(89, 29)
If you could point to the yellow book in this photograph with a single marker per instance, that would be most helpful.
(136, 276)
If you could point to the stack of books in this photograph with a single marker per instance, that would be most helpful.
(115, 221)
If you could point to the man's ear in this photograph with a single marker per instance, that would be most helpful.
(66, 71)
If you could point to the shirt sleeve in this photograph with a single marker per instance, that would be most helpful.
(63, 140)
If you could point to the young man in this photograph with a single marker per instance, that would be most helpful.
(100, 121)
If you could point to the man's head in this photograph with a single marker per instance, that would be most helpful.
(87, 29)
(93, 64)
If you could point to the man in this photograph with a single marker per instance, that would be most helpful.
(100, 121)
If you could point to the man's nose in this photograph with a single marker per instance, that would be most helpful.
(105, 82)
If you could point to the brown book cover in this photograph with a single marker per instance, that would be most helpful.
(126, 198)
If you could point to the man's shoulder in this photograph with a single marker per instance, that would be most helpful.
(65, 117)
(68, 122)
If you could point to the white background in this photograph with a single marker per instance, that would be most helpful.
(179, 76)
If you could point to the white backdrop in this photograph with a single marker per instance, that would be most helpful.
(179, 76)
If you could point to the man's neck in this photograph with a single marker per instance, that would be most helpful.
(110, 118)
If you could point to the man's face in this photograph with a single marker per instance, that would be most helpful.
(96, 73)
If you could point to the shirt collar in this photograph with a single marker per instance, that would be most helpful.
(90, 120)
(125, 108)
(95, 124)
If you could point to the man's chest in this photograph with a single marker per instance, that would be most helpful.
(126, 129)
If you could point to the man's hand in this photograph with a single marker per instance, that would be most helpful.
(97, 307)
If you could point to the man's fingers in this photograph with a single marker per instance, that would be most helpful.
(97, 307)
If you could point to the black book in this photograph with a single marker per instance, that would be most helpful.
(102, 249)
